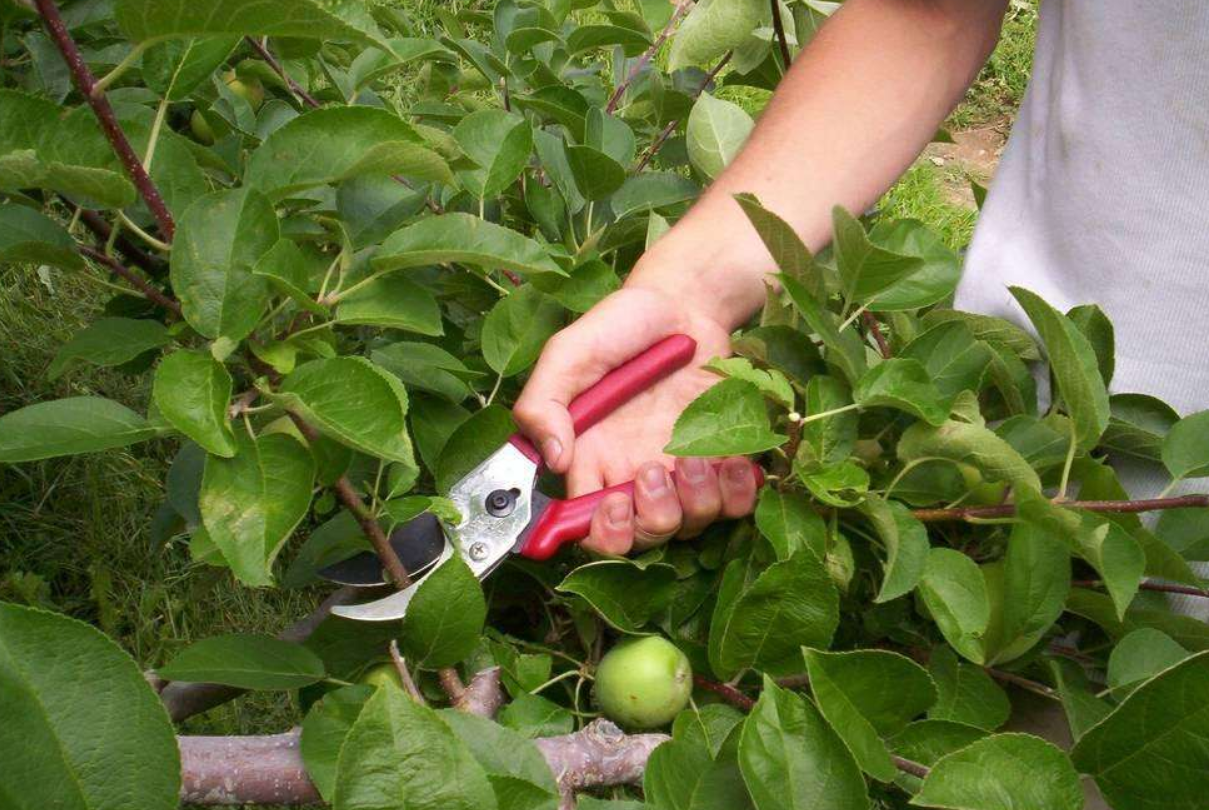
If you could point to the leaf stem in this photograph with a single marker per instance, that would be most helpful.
(103, 84)
(824, 414)
(562, 676)
(874, 328)
(1070, 462)
(148, 291)
(86, 83)
(133, 227)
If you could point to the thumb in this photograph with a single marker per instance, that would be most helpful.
(617, 329)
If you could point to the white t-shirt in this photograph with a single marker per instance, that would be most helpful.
(1102, 195)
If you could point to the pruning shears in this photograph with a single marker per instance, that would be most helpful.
(502, 512)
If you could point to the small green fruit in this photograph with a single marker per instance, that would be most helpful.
(251, 91)
(643, 682)
(201, 128)
(381, 675)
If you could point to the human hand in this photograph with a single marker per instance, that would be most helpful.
(629, 443)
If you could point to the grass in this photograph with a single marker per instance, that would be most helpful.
(75, 533)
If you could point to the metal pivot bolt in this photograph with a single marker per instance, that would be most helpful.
(501, 502)
(478, 551)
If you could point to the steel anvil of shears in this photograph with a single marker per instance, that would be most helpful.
(502, 513)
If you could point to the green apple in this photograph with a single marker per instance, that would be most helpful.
(251, 91)
(381, 675)
(643, 682)
(201, 128)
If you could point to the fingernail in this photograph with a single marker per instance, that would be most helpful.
(738, 473)
(694, 470)
(552, 448)
(618, 513)
(654, 480)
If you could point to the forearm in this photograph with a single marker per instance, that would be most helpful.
(858, 106)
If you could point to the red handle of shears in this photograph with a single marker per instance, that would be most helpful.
(568, 521)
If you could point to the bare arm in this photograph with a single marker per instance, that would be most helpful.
(857, 107)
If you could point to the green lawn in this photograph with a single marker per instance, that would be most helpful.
(75, 533)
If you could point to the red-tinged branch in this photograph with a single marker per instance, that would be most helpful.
(778, 27)
(142, 286)
(270, 60)
(269, 769)
(667, 131)
(86, 83)
(913, 768)
(619, 92)
(1149, 585)
(1009, 510)
(152, 265)
(728, 693)
(183, 700)
(872, 324)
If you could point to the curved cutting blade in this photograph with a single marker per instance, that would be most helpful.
(418, 542)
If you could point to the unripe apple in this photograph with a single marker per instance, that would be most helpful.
(381, 675)
(643, 682)
(201, 128)
(251, 91)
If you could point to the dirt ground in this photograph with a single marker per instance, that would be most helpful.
(974, 155)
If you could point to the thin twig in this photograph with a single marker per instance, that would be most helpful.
(1009, 509)
(348, 496)
(728, 693)
(409, 685)
(778, 26)
(667, 131)
(152, 265)
(1149, 585)
(618, 92)
(263, 50)
(875, 328)
(149, 291)
(86, 83)
(1024, 683)
(907, 766)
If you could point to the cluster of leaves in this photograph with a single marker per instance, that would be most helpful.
(356, 250)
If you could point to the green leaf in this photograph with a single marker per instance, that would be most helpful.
(286, 267)
(354, 402)
(516, 329)
(596, 174)
(728, 419)
(926, 741)
(392, 301)
(625, 594)
(716, 131)
(142, 20)
(788, 252)
(174, 68)
(1167, 769)
(251, 503)
(426, 367)
(772, 383)
(400, 755)
(219, 239)
(465, 239)
(764, 622)
(850, 690)
(1190, 633)
(28, 236)
(792, 760)
(1115, 555)
(906, 542)
(1003, 772)
(1073, 364)
(82, 729)
(64, 427)
(1036, 582)
(500, 143)
(109, 342)
(866, 269)
(712, 28)
(842, 485)
(553, 153)
(470, 444)
(1043, 443)
(587, 285)
(324, 730)
(1186, 531)
(993, 330)
(533, 716)
(191, 391)
(515, 767)
(698, 768)
(1095, 326)
(965, 693)
(932, 283)
(1140, 655)
(789, 524)
(829, 441)
(905, 385)
(371, 207)
(953, 359)
(340, 143)
(954, 591)
(651, 190)
(969, 444)
(246, 661)
(1082, 706)
(1186, 447)
(445, 617)
(1137, 425)
(845, 349)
